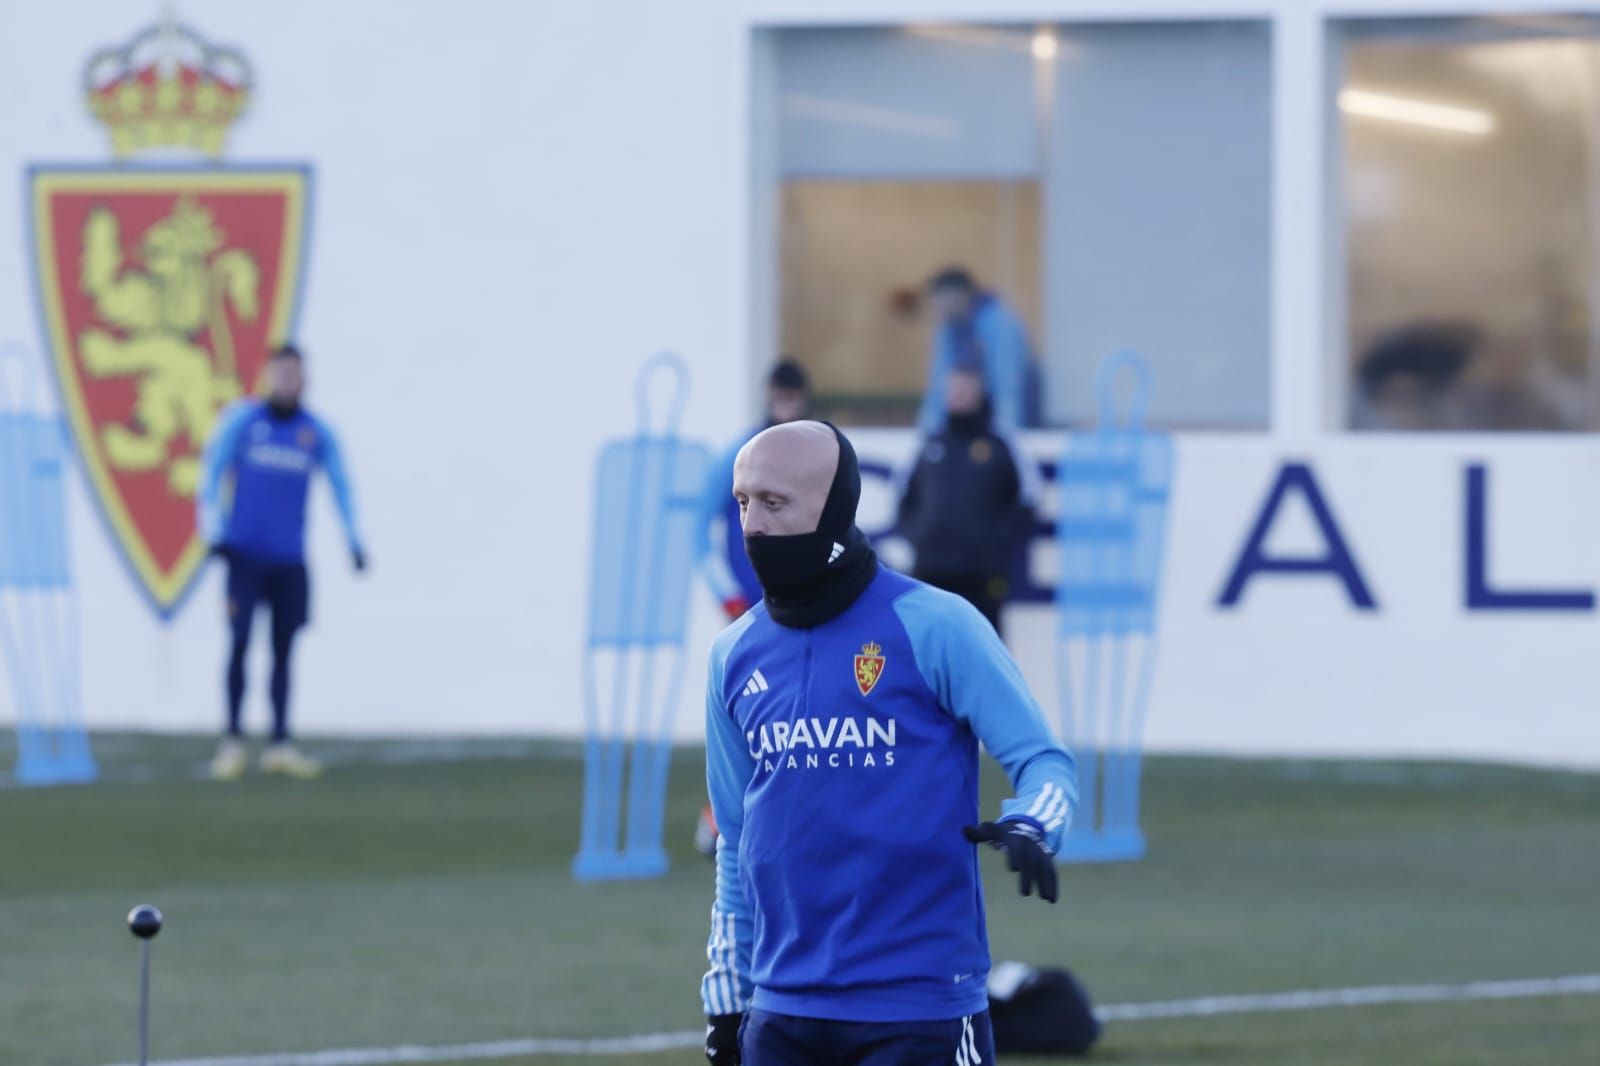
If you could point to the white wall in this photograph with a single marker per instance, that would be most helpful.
(1296, 668)
(516, 203)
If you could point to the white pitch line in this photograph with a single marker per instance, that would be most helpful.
(1372, 995)
(1205, 1006)
(500, 1049)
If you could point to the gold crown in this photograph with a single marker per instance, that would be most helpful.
(167, 88)
(871, 648)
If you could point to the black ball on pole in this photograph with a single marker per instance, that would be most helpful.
(144, 921)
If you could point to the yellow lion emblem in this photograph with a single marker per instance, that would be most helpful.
(869, 666)
(157, 313)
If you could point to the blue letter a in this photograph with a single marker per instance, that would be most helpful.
(1336, 561)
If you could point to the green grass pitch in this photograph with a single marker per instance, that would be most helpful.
(429, 902)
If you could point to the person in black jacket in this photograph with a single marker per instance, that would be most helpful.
(967, 504)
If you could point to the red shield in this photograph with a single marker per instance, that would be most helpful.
(162, 292)
(869, 667)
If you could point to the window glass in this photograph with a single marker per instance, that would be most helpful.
(1159, 218)
(1102, 187)
(1467, 220)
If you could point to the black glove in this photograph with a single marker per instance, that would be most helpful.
(722, 1039)
(1025, 854)
(358, 559)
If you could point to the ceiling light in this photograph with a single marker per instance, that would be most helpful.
(1412, 112)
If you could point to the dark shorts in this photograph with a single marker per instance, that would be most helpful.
(285, 587)
(767, 1039)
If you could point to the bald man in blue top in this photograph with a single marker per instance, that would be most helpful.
(843, 717)
(268, 450)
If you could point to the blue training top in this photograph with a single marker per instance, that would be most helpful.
(727, 567)
(842, 763)
(1002, 339)
(272, 460)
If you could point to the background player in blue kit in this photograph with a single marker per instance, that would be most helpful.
(269, 448)
(974, 322)
(843, 717)
(720, 544)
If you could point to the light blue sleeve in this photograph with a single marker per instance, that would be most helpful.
(974, 678)
(726, 987)
(713, 498)
(931, 417)
(339, 481)
(218, 458)
(1005, 345)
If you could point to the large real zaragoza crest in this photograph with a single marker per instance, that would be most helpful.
(164, 280)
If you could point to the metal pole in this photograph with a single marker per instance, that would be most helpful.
(144, 1003)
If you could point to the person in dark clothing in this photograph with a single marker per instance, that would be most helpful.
(969, 498)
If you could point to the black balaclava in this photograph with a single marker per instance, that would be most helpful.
(810, 578)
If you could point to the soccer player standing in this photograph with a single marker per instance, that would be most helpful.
(270, 448)
(843, 717)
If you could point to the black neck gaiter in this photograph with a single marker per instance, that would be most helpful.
(282, 410)
(810, 578)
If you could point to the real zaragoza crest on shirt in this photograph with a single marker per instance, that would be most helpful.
(165, 278)
(869, 667)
